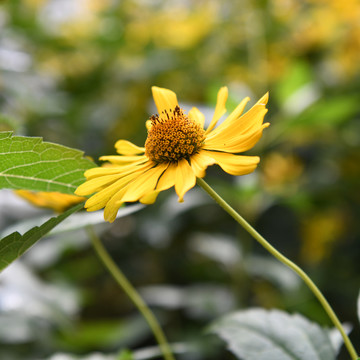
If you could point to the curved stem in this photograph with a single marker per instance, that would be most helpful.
(131, 293)
(285, 261)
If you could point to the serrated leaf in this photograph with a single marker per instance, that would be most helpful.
(32, 164)
(273, 335)
(15, 244)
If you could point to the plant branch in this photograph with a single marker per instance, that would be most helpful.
(131, 293)
(285, 261)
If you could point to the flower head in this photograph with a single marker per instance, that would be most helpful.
(178, 150)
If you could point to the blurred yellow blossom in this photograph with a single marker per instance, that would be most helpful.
(320, 232)
(280, 171)
(185, 30)
(34, 4)
(56, 201)
(69, 63)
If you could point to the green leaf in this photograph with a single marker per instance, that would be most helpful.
(15, 244)
(273, 335)
(29, 163)
(328, 112)
(125, 355)
(298, 75)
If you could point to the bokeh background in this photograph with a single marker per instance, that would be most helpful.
(79, 73)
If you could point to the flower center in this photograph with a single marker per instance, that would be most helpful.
(173, 137)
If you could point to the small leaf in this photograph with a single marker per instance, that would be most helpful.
(15, 244)
(29, 163)
(273, 335)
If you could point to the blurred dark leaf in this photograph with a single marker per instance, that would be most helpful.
(90, 335)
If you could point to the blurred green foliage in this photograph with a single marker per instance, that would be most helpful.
(79, 73)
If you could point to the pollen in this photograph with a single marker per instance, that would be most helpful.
(173, 136)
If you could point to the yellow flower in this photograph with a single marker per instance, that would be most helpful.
(56, 201)
(176, 152)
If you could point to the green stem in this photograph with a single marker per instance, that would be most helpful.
(131, 293)
(285, 261)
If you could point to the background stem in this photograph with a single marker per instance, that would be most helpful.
(285, 261)
(131, 293)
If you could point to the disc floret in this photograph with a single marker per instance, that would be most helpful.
(173, 136)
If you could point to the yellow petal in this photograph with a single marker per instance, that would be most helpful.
(101, 171)
(124, 160)
(168, 178)
(228, 142)
(185, 178)
(131, 192)
(251, 120)
(239, 133)
(125, 147)
(165, 100)
(264, 100)
(235, 164)
(199, 163)
(149, 198)
(143, 184)
(220, 108)
(99, 200)
(231, 118)
(53, 200)
(113, 206)
(166, 181)
(31, 196)
(99, 181)
(115, 169)
(93, 185)
(197, 115)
